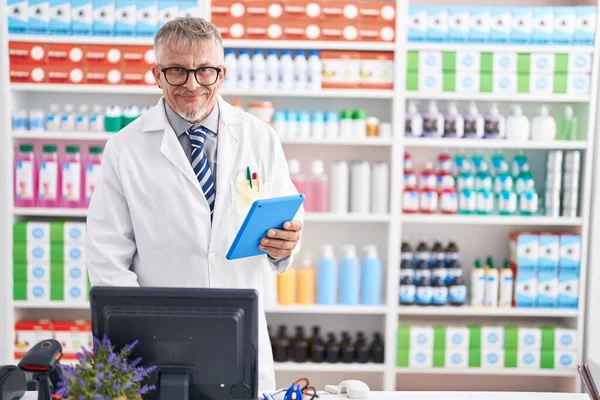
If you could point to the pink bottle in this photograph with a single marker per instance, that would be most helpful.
(49, 178)
(26, 175)
(317, 188)
(71, 178)
(92, 168)
(297, 178)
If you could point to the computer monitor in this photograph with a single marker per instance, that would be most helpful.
(204, 342)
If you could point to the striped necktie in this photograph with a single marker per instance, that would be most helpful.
(201, 166)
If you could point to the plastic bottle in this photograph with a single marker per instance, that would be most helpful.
(474, 123)
(543, 126)
(97, 119)
(71, 178)
(499, 164)
(286, 287)
(244, 68)
(428, 202)
(454, 125)
(437, 251)
(300, 71)
(231, 78)
(280, 123)
(67, 119)
(315, 71)
(506, 285)
(444, 163)
(130, 114)
(272, 70)
(53, 119)
(346, 124)
(485, 202)
(359, 119)
(26, 176)
(19, 120)
(380, 178)
(503, 181)
(448, 201)
(494, 124)
(332, 126)
(467, 201)
(36, 120)
(259, 71)
(422, 252)
(82, 121)
(407, 283)
(292, 124)
(317, 188)
(113, 119)
(439, 291)
(452, 252)
(286, 70)
(371, 279)
(479, 163)
(350, 277)
(457, 293)
(462, 164)
(507, 202)
(327, 277)
(524, 180)
(406, 252)
(465, 180)
(517, 125)
(299, 348)
(478, 285)
(306, 282)
(360, 180)
(568, 125)
(304, 125)
(483, 179)
(428, 178)
(529, 200)
(445, 181)
(281, 345)
(339, 188)
(49, 178)
(92, 169)
(424, 290)
(297, 178)
(413, 126)
(433, 121)
(491, 285)
(317, 125)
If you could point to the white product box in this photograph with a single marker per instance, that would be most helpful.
(565, 339)
(167, 10)
(74, 232)
(525, 249)
(565, 359)
(82, 17)
(458, 24)
(541, 84)
(38, 272)
(501, 25)
(75, 292)
(492, 358)
(530, 338)
(480, 24)
(74, 253)
(38, 291)
(505, 83)
(522, 24)
(25, 338)
(467, 82)
(104, 17)
(418, 23)
(125, 17)
(457, 358)
(468, 61)
(529, 359)
(585, 25)
(564, 25)
(492, 337)
(75, 272)
(457, 337)
(526, 286)
(570, 247)
(421, 337)
(147, 17)
(543, 25)
(430, 61)
(542, 63)
(438, 24)
(548, 288)
(580, 62)
(578, 83)
(568, 290)
(549, 249)
(420, 358)
(60, 17)
(39, 17)
(38, 233)
(505, 62)
(188, 8)
(18, 16)
(430, 82)
(38, 253)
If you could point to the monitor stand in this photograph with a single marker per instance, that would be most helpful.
(174, 386)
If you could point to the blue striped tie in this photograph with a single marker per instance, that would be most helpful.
(201, 165)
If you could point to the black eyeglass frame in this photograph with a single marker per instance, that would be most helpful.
(189, 71)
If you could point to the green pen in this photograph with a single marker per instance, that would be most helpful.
(249, 176)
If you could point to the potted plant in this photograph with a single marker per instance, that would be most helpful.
(105, 374)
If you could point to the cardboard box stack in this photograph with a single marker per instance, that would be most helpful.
(72, 335)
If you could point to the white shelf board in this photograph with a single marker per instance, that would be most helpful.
(103, 40)
(327, 93)
(496, 47)
(307, 44)
(493, 144)
(374, 141)
(57, 305)
(489, 220)
(450, 311)
(453, 96)
(49, 212)
(330, 217)
(61, 135)
(327, 367)
(549, 373)
(319, 309)
(72, 88)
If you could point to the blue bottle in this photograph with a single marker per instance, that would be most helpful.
(439, 292)
(350, 277)
(371, 277)
(327, 277)
(407, 283)
(457, 293)
(424, 292)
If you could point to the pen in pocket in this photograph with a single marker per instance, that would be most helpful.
(255, 176)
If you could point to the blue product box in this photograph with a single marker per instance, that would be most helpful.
(18, 15)
(39, 17)
(438, 24)
(418, 22)
(147, 18)
(543, 25)
(459, 24)
(564, 25)
(585, 25)
(188, 8)
(60, 17)
(125, 17)
(568, 273)
(104, 17)
(522, 21)
(526, 286)
(501, 25)
(548, 270)
(82, 17)
(480, 27)
(167, 10)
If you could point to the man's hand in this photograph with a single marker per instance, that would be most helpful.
(280, 243)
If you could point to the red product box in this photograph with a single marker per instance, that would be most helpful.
(103, 55)
(23, 72)
(103, 75)
(340, 30)
(264, 8)
(139, 75)
(264, 28)
(377, 70)
(65, 53)
(66, 73)
(30, 333)
(381, 31)
(341, 69)
(377, 11)
(230, 27)
(336, 10)
(27, 52)
(302, 29)
(227, 8)
(303, 9)
(137, 56)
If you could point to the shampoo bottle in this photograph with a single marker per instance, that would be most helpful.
(474, 123)
(517, 125)
(568, 126)
(286, 287)
(491, 286)
(306, 282)
(454, 124)
(529, 199)
(543, 126)
(433, 121)
(494, 124)
(371, 279)
(414, 121)
(350, 277)
(297, 178)
(506, 285)
(327, 277)
(478, 285)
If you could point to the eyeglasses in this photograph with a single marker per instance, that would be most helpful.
(178, 76)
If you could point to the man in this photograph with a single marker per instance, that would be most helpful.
(173, 190)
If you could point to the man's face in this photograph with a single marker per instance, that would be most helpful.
(191, 101)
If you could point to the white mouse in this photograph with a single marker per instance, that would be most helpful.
(354, 388)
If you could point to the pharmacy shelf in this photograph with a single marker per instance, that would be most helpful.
(325, 93)
(102, 40)
(319, 309)
(496, 47)
(490, 220)
(50, 212)
(61, 135)
(327, 367)
(493, 144)
(72, 88)
(373, 141)
(549, 373)
(58, 305)
(331, 217)
(466, 311)
(497, 97)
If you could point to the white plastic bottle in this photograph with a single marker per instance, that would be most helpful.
(292, 124)
(244, 65)
(317, 125)
(19, 120)
(231, 79)
(300, 71)
(304, 125)
(332, 125)
(259, 71)
(36, 120)
(454, 126)
(506, 285)
(339, 187)
(494, 124)
(380, 178)
(97, 119)
(491, 285)
(280, 123)
(478, 284)
(517, 125)
(53, 118)
(315, 71)
(67, 120)
(82, 121)
(474, 123)
(360, 177)
(286, 70)
(543, 126)
(272, 70)
(414, 121)
(433, 121)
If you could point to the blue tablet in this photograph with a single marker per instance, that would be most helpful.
(263, 215)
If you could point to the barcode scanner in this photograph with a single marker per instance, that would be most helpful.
(43, 362)
(13, 383)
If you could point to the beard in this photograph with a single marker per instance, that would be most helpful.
(193, 115)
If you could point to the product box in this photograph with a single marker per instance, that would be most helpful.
(138, 75)
(27, 73)
(421, 337)
(431, 82)
(492, 337)
(29, 333)
(468, 61)
(74, 253)
(264, 9)
(568, 275)
(147, 18)
(337, 10)
(501, 25)
(102, 75)
(578, 83)
(456, 358)
(58, 55)
(76, 292)
(526, 285)
(60, 17)
(541, 84)
(529, 338)
(548, 286)
(377, 10)
(522, 24)
(341, 69)
(418, 23)
(103, 56)
(430, 61)
(72, 335)
(82, 17)
(505, 62)
(505, 83)
(437, 30)
(304, 9)
(564, 25)
(306, 29)
(570, 251)
(229, 27)
(542, 63)
(188, 8)
(36, 272)
(480, 24)
(565, 359)
(528, 359)
(585, 25)
(565, 339)
(376, 31)
(30, 53)
(524, 248)
(169, 9)
(457, 337)
(420, 358)
(266, 28)
(104, 17)
(467, 82)
(377, 70)
(412, 84)
(39, 17)
(48, 232)
(75, 272)
(580, 63)
(18, 16)
(459, 24)
(137, 56)
(65, 73)
(125, 17)
(492, 358)
(542, 25)
(35, 253)
(33, 291)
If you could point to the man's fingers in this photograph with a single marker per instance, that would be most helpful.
(293, 226)
(275, 252)
(278, 243)
(284, 235)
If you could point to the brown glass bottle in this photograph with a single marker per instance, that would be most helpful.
(363, 351)
(377, 349)
(347, 351)
(332, 351)
(299, 349)
(281, 346)
(317, 346)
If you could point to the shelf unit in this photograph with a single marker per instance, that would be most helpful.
(395, 224)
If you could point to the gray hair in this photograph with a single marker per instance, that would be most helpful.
(185, 33)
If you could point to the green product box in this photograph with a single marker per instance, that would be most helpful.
(402, 358)
(511, 355)
(439, 337)
(20, 273)
(561, 63)
(412, 60)
(548, 338)
(486, 82)
(560, 83)
(449, 82)
(38, 253)
(475, 337)
(20, 291)
(39, 232)
(403, 337)
(449, 61)
(524, 63)
(487, 62)
(474, 358)
(523, 82)
(412, 81)
(439, 357)
(511, 338)
(547, 359)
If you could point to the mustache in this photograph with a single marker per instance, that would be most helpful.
(193, 93)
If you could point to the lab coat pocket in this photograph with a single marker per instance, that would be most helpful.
(243, 196)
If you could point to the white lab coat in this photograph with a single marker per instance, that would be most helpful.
(148, 221)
